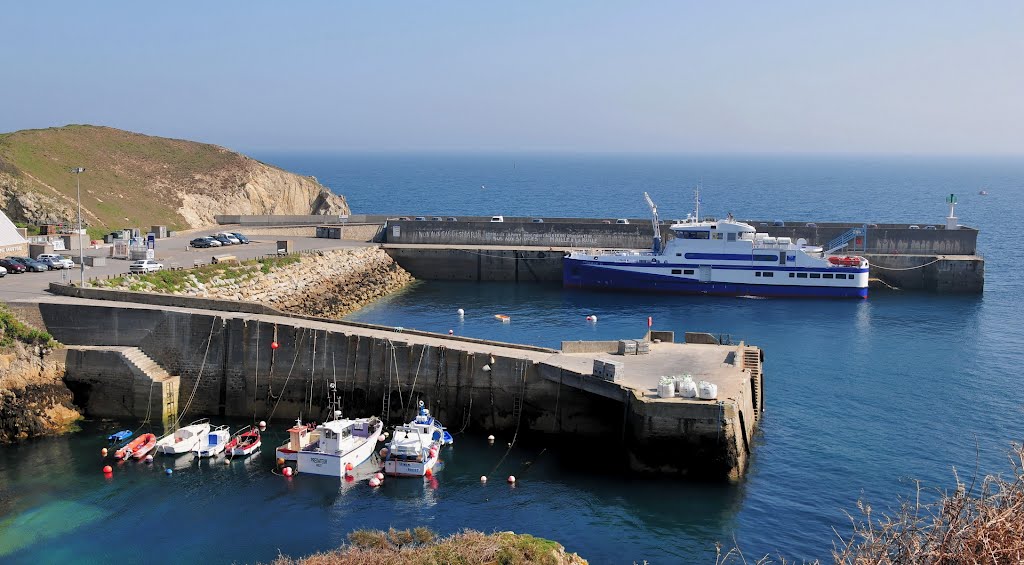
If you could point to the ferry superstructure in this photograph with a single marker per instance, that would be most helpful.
(720, 257)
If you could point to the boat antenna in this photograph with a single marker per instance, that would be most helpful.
(696, 202)
(657, 223)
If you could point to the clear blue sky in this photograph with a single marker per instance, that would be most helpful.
(778, 76)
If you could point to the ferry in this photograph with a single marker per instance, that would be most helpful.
(720, 257)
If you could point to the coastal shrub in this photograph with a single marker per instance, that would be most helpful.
(14, 330)
(268, 264)
(368, 539)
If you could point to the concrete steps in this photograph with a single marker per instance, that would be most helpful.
(752, 363)
(145, 364)
(143, 388)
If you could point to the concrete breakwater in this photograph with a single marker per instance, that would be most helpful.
(324, 283)
(224, 366)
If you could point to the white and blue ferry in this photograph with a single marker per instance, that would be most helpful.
(724, 257)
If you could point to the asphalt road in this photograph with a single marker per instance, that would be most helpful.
(172, 252)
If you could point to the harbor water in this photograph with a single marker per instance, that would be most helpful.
(864, 398)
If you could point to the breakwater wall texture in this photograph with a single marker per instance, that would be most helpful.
(454, 263)
(226, 367)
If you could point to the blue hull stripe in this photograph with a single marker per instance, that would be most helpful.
(665, 264)
(587, 275)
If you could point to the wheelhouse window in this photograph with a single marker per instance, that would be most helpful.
(694, 234)
(731, 236)
(716, 235)
(765, 258)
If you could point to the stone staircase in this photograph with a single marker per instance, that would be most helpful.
(153, 391)
(752, 363)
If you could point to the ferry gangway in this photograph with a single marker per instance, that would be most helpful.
(846, 237)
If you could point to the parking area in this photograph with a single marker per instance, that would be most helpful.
(173, 252)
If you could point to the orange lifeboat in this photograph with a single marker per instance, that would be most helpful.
(845, 261)
(137, 448)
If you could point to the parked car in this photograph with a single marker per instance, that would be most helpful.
(403, 218)
(538, 220)
(145, 266)
(497, 218)
(204, 242)
(240, 237)
(12, 267)
(810, 225)
(58, 261)
(222, 239)
(930, 228)
(421, 219)
(3, 272)
(914, 227)
(231, 237)
(451, 219)
(437, 219)
(622, 221)
(31, 264)
(779, 224)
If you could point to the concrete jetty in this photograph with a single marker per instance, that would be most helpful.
(220, 363)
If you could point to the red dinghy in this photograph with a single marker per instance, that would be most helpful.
(244, 443)
(142, 444)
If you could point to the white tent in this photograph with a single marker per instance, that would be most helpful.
(11, 241)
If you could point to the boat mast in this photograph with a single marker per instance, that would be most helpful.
(657, 223)
(696, 202)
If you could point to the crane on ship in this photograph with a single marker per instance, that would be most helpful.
(657, 223)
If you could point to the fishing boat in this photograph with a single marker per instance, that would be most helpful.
(725, 258)
(414, 447)
(213, 443)
(137, 448)
(243, 443)
(300, 435)
(502, 317)
(340, 443)
(184, 439)
(119, 436)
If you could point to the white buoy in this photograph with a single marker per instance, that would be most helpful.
(263, 424)
(461, 312)
(227, 460)
(511, 479)
(149, 459)
(374, 482)
(593, 318)
(483, 478)
(379, 476)
(490, 438)
(451, 332)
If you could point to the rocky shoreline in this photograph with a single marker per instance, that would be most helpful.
(327, 284)
(34, 401)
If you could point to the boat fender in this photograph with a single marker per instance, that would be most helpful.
(169, 471)
(483, 478)
(287, 471)
(511, 479)
(107, 470)
(103, 452)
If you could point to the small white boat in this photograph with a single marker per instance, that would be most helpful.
(299, 436)
(414, 447)
(184, 439)
(213, 443)
(341, 442)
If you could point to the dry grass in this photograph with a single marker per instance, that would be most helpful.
(420, 547)
(981, 522)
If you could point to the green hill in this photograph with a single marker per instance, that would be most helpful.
(139, 180)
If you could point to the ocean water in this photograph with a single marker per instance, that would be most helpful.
(864, 398)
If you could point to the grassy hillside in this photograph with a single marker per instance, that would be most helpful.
(131, 179)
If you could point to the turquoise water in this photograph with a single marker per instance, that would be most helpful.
(863, 397)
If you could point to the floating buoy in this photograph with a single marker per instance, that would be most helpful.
(483, 478)
(103, 452)
(383, 452)
(274, 345)
(227, 460)
(280, 462)
(349, 478)
(169, 471)
(591, 318)
(461, 312)
(348, 466)
(263, 425)
(379, 476)
(490, 438)
(287, 471)
(428, 473)
(107, 469)
(384, 435)
(374, 482)
(149, 459)
(511, 479)
(451, 332)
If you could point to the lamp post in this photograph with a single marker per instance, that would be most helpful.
(77, 171)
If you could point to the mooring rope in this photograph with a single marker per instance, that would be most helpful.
(256, 384)
(877, 266)
(298, 343)
(515, 436)
(312, 376)
(412, 391)
(468, 411)
(195, 387)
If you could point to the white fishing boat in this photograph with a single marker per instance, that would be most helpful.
(213, 443)
(414, 447)
(725, 258)
(184, 439)
(299, 436)
(341, 442)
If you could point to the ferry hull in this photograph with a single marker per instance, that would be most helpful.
(580, 274)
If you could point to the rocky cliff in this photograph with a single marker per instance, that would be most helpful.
(33, 398)
(139, 180)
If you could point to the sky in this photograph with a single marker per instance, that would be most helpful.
(909, 77)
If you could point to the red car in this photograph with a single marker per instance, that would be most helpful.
(12, 267)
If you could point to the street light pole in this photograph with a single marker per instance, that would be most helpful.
(81, 250)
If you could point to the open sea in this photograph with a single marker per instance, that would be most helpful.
(864, 399)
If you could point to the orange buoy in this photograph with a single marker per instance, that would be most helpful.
(107, 469)
(280, 462)
(428, 473)
(103, 452)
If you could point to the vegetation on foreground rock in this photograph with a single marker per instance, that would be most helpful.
(982, 521)
(14, 331)
(421, 547)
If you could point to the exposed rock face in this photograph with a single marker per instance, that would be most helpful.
(140, 180)
(33, 399)
(327, 284)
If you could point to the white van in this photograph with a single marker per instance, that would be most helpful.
(59, 261)
(497, 218)
(622, 221)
